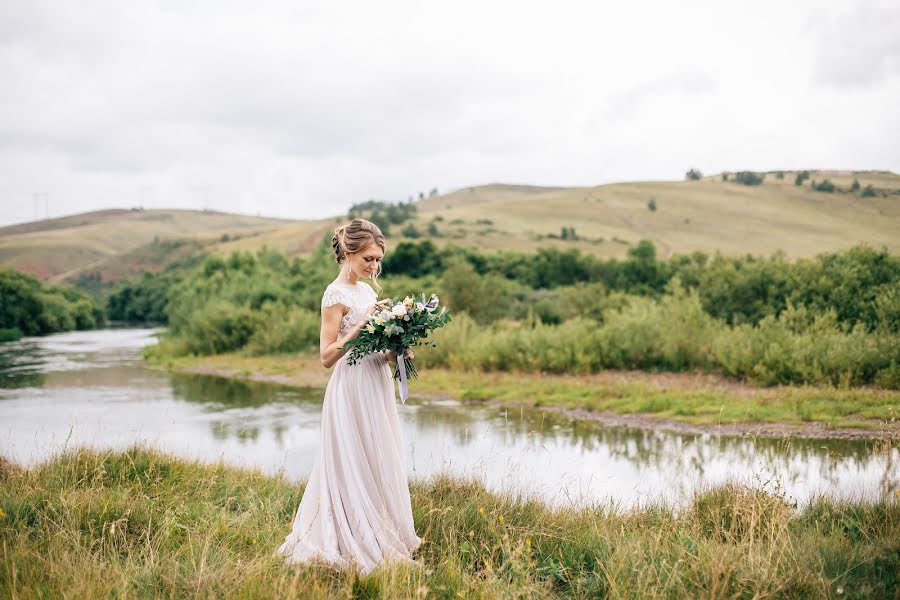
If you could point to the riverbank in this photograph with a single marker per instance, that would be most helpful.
(672, 401)
(139, 523)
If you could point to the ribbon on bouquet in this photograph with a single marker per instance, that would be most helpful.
(404, 386)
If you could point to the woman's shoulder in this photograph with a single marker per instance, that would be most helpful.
(335, 294)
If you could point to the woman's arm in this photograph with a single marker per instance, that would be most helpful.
(330, 347)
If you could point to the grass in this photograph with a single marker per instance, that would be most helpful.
(685, 397)
(697, 215)
(141, 524)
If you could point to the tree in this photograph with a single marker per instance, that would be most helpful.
(693, 175)
(801, 177)
(855, 187)
(868, 191)
(652, 205)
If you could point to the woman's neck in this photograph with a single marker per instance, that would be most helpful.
(352, 280)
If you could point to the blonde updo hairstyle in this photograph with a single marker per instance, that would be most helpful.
(355, 237)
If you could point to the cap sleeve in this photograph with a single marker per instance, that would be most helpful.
(334, 296)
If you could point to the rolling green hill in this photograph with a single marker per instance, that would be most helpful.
(116, 242)
(709, 214)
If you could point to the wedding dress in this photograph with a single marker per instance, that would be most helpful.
(356, 507)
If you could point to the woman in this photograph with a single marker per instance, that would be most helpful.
(356, 506)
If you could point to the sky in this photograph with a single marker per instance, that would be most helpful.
(300, 109)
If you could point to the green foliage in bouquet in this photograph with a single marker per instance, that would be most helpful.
(400, 325)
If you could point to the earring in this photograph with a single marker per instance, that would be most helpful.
(349, 268)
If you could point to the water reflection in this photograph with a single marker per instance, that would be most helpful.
(92, 388)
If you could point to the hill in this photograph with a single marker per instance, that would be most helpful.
(116, 242)
(708, 214)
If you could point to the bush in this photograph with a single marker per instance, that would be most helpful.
(855, 187)
(675, 333)
(693, 175)
(284, 329)
(411, 231)
(36, 308)
(824, 186)
(868, 191)
(13, 334)
(652, 205)
(218, 327)
(801, 177)
(749, 177)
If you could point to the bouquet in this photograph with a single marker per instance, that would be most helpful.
(398, 327)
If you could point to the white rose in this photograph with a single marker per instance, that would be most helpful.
(398, 310)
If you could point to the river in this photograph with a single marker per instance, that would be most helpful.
(93, 389)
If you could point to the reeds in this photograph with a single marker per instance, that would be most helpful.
(139, 523)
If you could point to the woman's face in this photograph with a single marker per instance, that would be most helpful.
(367, 261)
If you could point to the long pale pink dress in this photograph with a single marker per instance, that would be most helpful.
(356, 507)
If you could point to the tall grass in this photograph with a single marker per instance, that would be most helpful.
(674, 333)
(142, 524)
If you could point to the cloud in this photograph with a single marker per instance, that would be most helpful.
(858, 48)
(300, 109)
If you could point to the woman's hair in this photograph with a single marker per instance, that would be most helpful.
(355, 237)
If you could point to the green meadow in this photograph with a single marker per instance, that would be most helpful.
(140, 524)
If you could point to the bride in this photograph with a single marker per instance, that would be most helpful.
(356, 507)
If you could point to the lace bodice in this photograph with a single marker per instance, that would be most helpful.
(357, 298)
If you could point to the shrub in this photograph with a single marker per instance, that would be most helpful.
(823, 186)
(749, 178)
(693, 175)
(36, 308)
(411, 231)
(12, 334)
(219, 327)
(801, 177)
(652, 205)
(868, 191)
(855, 187)
(282, 328)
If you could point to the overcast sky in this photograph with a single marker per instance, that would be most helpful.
(299, 109)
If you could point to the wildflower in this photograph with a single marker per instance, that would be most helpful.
(501, 519)
(528, 542)
(254, 541)
(2, 513)
(481, 509)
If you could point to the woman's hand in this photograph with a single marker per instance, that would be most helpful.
(391, 355)
(374, 308)
(371, 310)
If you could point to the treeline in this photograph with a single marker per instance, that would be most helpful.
(30, 307)
(833, 319)
(861, 284)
